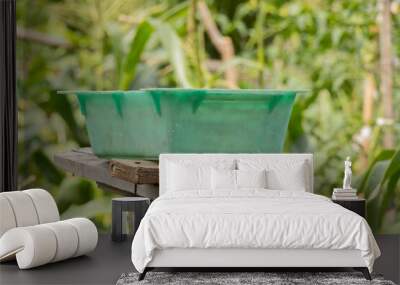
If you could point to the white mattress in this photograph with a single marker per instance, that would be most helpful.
(253, 219)
(255, 257)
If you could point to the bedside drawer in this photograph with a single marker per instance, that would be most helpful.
(356, 206)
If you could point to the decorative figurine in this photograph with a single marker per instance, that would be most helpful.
(347, 174)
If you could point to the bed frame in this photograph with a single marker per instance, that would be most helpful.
(251, 258)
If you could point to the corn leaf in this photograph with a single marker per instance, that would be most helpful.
(172, 44)
(143, 34)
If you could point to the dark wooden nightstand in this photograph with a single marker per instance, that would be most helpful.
(357, 206)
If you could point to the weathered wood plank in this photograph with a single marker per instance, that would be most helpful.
(82, 162)
(135, 171)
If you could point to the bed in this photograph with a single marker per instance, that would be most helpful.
(247, 210)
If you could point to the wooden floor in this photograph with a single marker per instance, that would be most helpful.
(110, 260)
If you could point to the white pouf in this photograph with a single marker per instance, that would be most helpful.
(31, 232)
(23, 209)
(41, 244)
(7, 220)
(26, 208)
(87, 233)
(45, 205)
(67, 237)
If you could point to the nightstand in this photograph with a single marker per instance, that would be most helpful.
(137, 205)
(357, 206)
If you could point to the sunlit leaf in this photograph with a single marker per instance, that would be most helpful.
(383, 155)
(90, 209)
(74, 190)
(384, 186)
(375, 178)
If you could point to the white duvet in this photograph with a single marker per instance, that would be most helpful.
(250, 219)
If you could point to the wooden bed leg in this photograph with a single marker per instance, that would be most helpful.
(143, 274)
(364, 271)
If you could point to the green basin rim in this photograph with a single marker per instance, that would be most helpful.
(170, 91)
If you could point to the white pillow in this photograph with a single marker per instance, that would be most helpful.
(251, 178)
(293, 181)
(223, 179)
(288, 174)
(227, 179)
(188, 177)
(193, 174)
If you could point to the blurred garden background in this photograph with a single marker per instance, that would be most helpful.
(346, 53)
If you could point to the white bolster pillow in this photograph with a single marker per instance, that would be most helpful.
(45, 205)
(87, 235)
(7, 219)
(40, 244)
(23, 209)
(26, 208)
(67, 240)
(32, 246)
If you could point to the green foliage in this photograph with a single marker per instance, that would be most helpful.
(90, 209)
(379, 185)
(327, 47)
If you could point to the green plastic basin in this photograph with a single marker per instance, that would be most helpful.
(148, 122)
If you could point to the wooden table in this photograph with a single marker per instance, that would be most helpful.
(82, 162)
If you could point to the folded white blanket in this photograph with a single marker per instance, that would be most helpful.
(250, 219)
